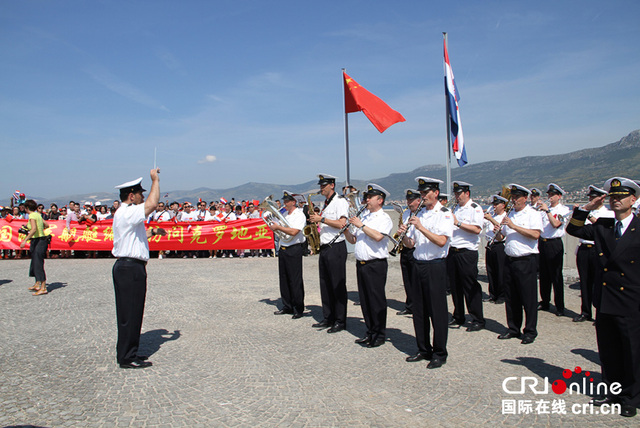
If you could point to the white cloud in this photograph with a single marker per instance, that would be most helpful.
(208, 159)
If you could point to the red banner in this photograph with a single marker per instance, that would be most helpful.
(200, 235)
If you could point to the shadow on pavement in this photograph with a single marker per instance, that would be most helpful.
(587, 354)
(56, 285)
(5, 281)
(152, 340)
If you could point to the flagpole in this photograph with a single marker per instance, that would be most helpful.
(346, 130)
(447, 113)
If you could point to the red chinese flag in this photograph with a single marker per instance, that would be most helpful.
(357, 98)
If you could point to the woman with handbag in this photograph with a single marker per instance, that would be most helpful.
(39, 245)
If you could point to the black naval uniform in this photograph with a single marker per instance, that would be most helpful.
(616, 297)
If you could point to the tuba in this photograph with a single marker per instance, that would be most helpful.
(272, 215)
(311, 230)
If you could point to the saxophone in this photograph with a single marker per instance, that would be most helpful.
(311, 230)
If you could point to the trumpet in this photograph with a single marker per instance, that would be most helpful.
(355, 208)
(272, 215)
(311, 230)
(398, 245)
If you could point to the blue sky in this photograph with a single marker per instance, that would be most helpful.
(236, 91)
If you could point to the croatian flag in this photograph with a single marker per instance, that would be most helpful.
(453, 112)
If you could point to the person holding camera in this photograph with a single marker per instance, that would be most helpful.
(39, 244)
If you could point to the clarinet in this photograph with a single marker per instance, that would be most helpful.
(401, 236)
(362, 208)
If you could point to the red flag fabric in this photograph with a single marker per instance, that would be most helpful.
(357, 98)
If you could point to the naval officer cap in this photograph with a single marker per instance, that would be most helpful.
(426, 183)
(621, 186)
(595, 191)
(443, 196)
(518, 190)
(461, 186)
(288, 196)
(132, 186)
(497, 199)
(535, 191)
(325, 179)
(411, 194)
(374, 190)
(554, 188)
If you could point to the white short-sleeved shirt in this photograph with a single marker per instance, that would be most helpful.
(337, 208)
(488, 226)
(129, 233)
(469, 213)
(367, 248)
(203, 215)
(438, 221)
(603, 212)
(296, 220)
(560, 212)
(162, 216)
(517, 245)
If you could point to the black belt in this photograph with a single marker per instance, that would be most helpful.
(366, 262)
(325, 246)
(429, 262)
(290, 246)
(521, 257)
(459, 250)
(587, 245)
(549, 239)
(131, 259)
(497, 243)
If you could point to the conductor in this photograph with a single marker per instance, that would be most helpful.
(131, 248)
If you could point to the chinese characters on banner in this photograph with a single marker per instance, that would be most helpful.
(202, 235)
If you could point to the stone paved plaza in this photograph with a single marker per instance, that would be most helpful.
(221, 358)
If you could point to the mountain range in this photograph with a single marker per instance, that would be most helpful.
(573, 171)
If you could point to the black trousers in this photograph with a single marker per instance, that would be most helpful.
(333, 282)
(291, 283)
(372, 278)
(494, 262)
(38, 247)
(619, 348)
(551, 260)
(406, 267)
(130, 285)
(522, 293)
(430, 307)
(462, 270)
(586, 263)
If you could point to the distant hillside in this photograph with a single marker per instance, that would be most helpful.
(572, 171)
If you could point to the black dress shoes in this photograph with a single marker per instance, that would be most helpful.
(455, 324)
(600, 400)
(475, 327)
(375, 343)
(136, 364)
(363, 341)
(404, 312)
(417, 357)
(142, 357)
(336, 328)
(560, 313)
(509, 335)
(582, 318)
(435, 363)
(321, 324)
(543, 306)
(527, 340)
(627, 411)
(296, 316)
(281, 312)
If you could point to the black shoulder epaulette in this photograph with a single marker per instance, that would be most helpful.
(444, 209)
(474, 205)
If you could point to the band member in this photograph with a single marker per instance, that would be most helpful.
(131, 248)
(616, 293)
(521, 230)
(462, 261)
(586, 260)
(406, 254)
(333, 259)
(552, 249)
(290, 258)
(430, 234)
(371, 263)
(535, 197)
(443, 198)
(494, 254)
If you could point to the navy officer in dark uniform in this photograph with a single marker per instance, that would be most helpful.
(616, 293)
(131, 248)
